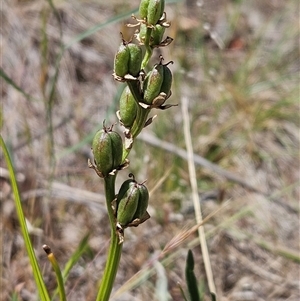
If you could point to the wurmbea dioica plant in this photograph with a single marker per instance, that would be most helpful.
(145, 90)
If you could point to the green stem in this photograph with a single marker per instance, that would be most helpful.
(141, 119)
(114, 252)
(142, 113)
(57, 271)
(136, 128)
(148, 48)
(141, 116)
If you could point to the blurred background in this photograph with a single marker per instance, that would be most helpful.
(237, 63)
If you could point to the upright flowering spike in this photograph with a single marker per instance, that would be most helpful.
(107, 150)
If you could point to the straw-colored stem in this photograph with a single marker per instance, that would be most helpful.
(196, 200)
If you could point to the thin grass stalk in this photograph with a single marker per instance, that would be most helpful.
(195, 195)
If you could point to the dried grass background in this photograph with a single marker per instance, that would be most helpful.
(244, 106)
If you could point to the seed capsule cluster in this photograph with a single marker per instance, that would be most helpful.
(146, 89)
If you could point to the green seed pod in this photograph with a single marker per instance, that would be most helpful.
(162, 7)
(142, 32)
(123, 189)
(143, 202)
(167, 81)
(143, 9)
(135, 60)
(157, 35)
(127, 203)
(128, 108)
(107, 150)
(155, 11)
(152, 83)
(122, 61)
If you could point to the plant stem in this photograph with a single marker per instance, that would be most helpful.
(141, 116)
(114, 252)
(148, 53)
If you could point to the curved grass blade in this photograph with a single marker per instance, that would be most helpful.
(33, 261)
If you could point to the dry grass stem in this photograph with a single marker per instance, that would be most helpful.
(195, 194)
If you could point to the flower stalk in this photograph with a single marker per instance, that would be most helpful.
(115, 248)
(144, 92)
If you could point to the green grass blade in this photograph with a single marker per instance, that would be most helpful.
(33, 261)
(12, 83)
(191, 278)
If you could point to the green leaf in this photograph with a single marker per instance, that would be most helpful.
(191, 278)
